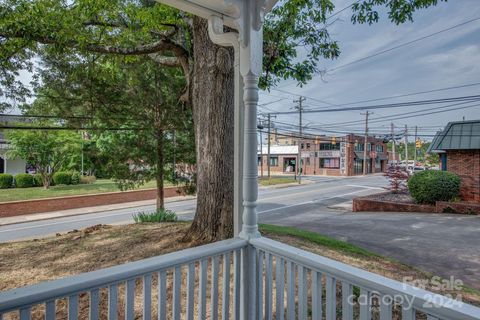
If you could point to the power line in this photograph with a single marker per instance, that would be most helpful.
(404, 44)
(392, 105)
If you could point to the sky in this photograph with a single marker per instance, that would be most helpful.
(448, 59)
(451, 58)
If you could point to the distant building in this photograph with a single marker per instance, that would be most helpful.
(458, 146)
(331, 156)
(12, 166)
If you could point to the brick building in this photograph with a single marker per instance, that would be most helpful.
(458, 146)
(331, 156)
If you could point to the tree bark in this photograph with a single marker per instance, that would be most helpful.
(160, 171)
(213, 116)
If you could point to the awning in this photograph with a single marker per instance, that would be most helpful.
(359, 155)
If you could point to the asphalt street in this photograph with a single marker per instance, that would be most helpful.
(323, 192)
(444, 244)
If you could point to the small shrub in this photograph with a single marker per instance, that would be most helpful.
(6, 180)
(87, 179)
(62, 178)
(161, 215)
(430, 186)
(37, 179)
(397, 179)
(75, 178)
(24, 180)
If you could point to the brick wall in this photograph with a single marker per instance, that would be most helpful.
(467, 165)
(15, 208)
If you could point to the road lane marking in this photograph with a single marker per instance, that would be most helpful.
(366, 187)
(312, 201)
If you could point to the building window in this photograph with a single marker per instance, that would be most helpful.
(308, 160)
(274, 161)
(329, 146)
(379, 148)
(2, 165)
(369, 147)
(329, 163)
(359, 147)
(259, 160)
(308, 146)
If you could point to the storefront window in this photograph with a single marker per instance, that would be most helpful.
(274, 161)
(329, 163)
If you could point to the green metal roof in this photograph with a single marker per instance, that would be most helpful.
(459, 135)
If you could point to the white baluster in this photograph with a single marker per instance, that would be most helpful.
(147, 297)
(316, 295)
(280, 281)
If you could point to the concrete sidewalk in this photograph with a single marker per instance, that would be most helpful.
(86, 210)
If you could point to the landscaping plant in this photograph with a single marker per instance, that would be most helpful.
(24, 180)
(75, 178)
(397, 179)
(62, 178)
(161, 215)
(6, 180)
(431, 186)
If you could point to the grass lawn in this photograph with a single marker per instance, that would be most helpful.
(276, 180)
(28, 262)
(101, 185)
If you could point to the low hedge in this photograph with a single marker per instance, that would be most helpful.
(37, 178)
(76, 176)
(24, 180)
(432, 185)
(62, 178)
(6, 180)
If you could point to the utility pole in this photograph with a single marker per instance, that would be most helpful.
(365, 143)
(269, 116)
(415, 154)
(392, 131)
(406, 146)
(260, 127)
(174, 173)
(298, 166)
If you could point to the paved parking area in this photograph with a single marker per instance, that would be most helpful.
(444, 244)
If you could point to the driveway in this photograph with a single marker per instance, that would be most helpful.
(444, 244)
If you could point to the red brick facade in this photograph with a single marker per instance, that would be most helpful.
(466, 163)
(323, 157)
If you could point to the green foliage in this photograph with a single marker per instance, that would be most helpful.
(62, 178)
(75, 177)
(47, 150)
(161, 215)
(433, 185)
(37, 179)
(24, 180)
(6, 181)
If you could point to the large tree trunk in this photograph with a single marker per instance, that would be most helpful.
(213, 116)
(160, 171)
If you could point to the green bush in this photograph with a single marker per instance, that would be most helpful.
(76, 176)
(24, 180)
(6, 180)
(432, 185)
(62, 178)
(37, 179)
(161, 215)
(87, 179)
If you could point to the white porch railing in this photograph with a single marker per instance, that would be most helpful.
(205, 283)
